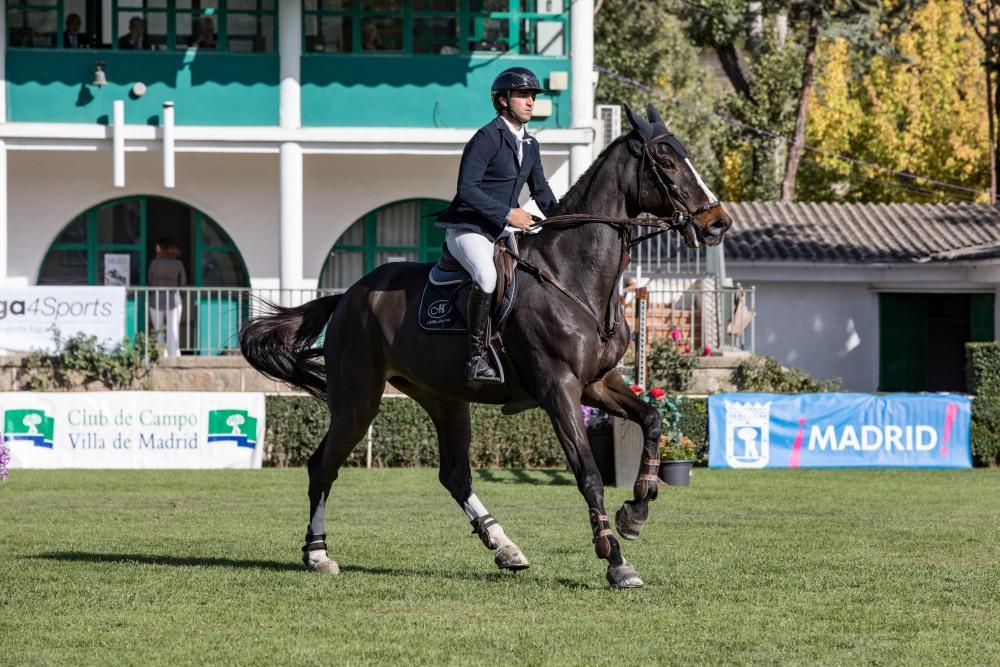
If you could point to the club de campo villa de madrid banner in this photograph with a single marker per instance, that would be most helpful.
(839, 430)
(133, 429)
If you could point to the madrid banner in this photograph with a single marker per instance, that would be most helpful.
(839, 430)
(30, 315)
(133, 429)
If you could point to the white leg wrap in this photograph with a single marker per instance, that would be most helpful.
(474, 509)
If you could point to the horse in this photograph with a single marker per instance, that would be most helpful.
(561, 343)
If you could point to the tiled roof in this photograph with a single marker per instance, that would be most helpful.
(824, 232)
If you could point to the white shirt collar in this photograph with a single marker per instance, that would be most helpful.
(517, 133)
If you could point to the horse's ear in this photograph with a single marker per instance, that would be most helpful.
(654, 116)
(644, 129)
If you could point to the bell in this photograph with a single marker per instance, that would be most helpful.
(100, 78)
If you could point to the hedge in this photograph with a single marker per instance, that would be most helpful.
(403, 435)
(982, 376)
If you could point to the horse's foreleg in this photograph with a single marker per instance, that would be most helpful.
(613, 396)
(562, 402)
(454, 430)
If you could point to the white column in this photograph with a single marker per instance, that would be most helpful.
(581, 68)
(290, 56)
(168, 145)
(3, 210)
(3, 147)
(290, 240)
(118, 142)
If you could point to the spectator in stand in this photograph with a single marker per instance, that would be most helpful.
(165, 306)
(72, 37)
(135, 38)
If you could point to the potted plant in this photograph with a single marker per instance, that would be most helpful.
(677, 457)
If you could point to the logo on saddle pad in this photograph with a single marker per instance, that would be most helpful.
(439, 309)
(232, 426)
(32, 426)
(748, 434)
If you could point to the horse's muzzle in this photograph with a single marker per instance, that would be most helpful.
(710, 233)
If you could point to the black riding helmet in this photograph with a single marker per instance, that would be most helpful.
(509, 80)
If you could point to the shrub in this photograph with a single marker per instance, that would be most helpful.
(671, 363)
(403, 435)
(986, 430)
(82, 359)
(982, 369)
(764, 374)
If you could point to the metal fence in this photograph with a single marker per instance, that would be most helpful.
(695, 312)
(208, 318)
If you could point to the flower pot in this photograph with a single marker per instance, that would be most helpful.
(602, 444)
(676, 473)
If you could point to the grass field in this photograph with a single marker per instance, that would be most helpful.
(831, 567)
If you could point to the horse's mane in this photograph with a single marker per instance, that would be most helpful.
(576, 200)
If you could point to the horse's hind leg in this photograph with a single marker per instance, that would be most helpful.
(454, 430)
(348, 425)
(613, 396)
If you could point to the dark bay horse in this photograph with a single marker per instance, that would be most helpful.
(562, 345)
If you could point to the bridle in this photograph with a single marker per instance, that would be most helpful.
(682, 219)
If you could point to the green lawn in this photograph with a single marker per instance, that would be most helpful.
(832, 567)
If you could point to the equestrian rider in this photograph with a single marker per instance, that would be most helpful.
(496, 163)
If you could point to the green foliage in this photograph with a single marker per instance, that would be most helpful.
(764, 374)
(679, 448)
(982, 369)
(669, 366)
(645, 42)
(403, 435)
(82, 359)
(986, 430)
(693, 423)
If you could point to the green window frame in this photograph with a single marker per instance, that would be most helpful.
(481, 26)
(224, 14)
(205, 226)
(427, 248)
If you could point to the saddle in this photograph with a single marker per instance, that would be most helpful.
(445, 297)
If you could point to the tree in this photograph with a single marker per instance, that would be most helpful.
(919, 108)
(645, 42)
(754, 46)
(984, 18)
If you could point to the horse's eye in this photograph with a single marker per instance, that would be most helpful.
(668, 164)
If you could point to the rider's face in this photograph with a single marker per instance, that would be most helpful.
(522, 103)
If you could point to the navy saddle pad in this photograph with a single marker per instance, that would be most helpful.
(445, 299)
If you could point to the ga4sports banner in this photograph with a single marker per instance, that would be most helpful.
(133, 429)
(839, 430)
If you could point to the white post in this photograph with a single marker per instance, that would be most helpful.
(290, 57)
(3, 210)
(290, 236)
(168, 144)
(581, 68)
(118, 143)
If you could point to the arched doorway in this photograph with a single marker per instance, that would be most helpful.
(403, 231)
(114, 242)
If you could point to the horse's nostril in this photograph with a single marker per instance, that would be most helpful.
(718, 227)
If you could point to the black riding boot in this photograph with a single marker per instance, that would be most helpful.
(478, 369)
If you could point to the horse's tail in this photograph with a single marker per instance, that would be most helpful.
(279, 343)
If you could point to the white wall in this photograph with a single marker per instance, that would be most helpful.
(47, 189)
(826, 329)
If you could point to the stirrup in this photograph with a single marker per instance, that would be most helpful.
(478, 370)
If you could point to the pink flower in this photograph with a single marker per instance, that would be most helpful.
(636, 389)
(675, 334)
(707, 351)
(657, 393)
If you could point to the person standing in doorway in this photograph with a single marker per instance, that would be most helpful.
(165, 306)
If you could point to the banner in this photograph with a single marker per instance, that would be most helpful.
(30, 315)
(133, 429)
(839, 430)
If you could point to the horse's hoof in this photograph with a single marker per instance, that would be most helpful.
(623, 576)
(626, 524)
(323, 565)
(510, 558)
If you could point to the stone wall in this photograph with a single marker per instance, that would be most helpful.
(235, 374)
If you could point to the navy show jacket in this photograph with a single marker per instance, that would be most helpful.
(490, 180)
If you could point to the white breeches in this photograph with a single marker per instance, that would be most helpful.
(475, 253)
(169, 319)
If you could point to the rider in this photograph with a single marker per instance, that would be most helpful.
(496, 163)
